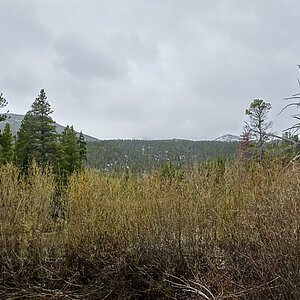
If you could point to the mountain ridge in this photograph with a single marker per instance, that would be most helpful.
(15, 120)
(228, 138)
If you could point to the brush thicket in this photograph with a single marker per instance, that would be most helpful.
(232, 232)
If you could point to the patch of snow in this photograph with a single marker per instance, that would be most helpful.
(228, 138)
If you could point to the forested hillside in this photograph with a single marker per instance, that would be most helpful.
(145, 154)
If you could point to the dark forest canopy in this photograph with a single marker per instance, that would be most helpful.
(145, 154)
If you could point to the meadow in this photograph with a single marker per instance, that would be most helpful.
(230, 232)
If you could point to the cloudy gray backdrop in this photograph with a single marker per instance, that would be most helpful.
(150, 69)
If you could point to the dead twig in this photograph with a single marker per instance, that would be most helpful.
(187, 287)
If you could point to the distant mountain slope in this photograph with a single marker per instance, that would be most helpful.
(15, 120)
(228, 138)
(145, 154)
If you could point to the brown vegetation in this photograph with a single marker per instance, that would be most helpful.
(205, 234)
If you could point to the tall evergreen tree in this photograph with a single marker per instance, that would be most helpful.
(24, 148)
(45, 136)
(3, 103)
(82, 148)
(69, 152)
(37, 137)
(6, 143)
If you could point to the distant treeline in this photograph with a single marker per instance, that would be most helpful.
(140, 155)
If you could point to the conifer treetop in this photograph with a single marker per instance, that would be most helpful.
(41, 107)
(3, 103)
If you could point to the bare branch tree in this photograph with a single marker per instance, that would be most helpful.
(290, 134)
(296, 127)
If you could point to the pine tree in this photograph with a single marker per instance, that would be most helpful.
(24, 150)
(45, 136)
(6, 149)
(69, 152)
(37, 137)
(3, 103)
(82, 149)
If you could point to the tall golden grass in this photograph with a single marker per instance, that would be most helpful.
(206, 234)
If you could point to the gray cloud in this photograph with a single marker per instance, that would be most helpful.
(24, 49)
(81, 61)
(20, 28)
(156, 69)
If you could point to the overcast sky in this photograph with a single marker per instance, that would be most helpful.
(150, 68)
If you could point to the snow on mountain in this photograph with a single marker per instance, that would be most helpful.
(228, 138)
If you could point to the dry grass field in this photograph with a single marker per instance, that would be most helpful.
(206, 233)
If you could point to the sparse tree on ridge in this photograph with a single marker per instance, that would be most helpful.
(258, 127)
